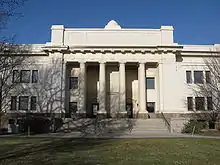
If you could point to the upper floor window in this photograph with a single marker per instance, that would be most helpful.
(25, 76)
(150, 81)
(208, 76)
(16, 76)
(198, 77)
(188, 77)
(34, 76)
(73, 82)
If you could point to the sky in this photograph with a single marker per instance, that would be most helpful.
(194, 21)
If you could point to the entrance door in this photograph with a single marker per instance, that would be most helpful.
(129, 109)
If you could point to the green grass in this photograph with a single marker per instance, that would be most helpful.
(46, 151)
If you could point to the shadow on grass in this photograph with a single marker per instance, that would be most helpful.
(48, 151)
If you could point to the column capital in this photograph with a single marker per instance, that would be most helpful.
(102, 62)
(122, 62)
(142, 62)
(82, 61)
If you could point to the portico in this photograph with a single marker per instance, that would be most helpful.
(107, 88)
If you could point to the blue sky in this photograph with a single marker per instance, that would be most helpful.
(195, 21)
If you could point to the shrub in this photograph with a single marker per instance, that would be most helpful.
(37, 125)
(3, 131)
(199, 125)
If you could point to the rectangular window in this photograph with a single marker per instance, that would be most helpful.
(34, 76)
(73, 82)
(150, 106)
(209, 103)
(16, 76)
(188, 77)
(23, 103)
(198, 77)
(150, 81)
(200, 103)
(33, 103)
(72, 107)
(25, 76)
(208, 76)
(190, 103)
(13, 103)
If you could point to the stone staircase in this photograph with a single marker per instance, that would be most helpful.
(153, 126)
(116, 127)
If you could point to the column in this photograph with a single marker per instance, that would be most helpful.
(142, 88)
(102, 91)
(122, 88)
(82, 88)
(161, 96)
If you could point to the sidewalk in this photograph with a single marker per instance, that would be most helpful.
(110, 136)
(118, 136)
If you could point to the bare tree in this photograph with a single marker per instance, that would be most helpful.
(9, 52)
(210, 91)
(8, 10)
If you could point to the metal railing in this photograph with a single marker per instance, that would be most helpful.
(166, 122)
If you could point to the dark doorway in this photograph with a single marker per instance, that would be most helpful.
(72, 109)
(151, 107)
(129, 109)
(95, 109)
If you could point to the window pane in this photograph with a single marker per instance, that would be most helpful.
(13, 102)
(198, 77)
(16, 76)
(200, 103)
(188, 76)
(23, 103)
(209, 103)
(33, 103)
(190, 103)
(208, 77)
(150, 83)
(73, 82)
(25, 76)
(150, 106)
(34, 76)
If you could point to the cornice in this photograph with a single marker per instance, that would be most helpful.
(55, 48)
(199, 53)
(113, 49)
(125, 49)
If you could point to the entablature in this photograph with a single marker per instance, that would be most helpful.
(114, 49)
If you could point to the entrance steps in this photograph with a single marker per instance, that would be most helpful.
(137, 127)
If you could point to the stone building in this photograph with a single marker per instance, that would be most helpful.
(110, 71)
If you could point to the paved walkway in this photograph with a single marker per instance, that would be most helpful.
(113, 136)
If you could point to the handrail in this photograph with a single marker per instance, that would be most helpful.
(166, 122)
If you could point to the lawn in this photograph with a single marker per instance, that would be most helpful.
(45, 151)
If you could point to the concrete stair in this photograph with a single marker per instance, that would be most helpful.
(136, 127)
(154, 126)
